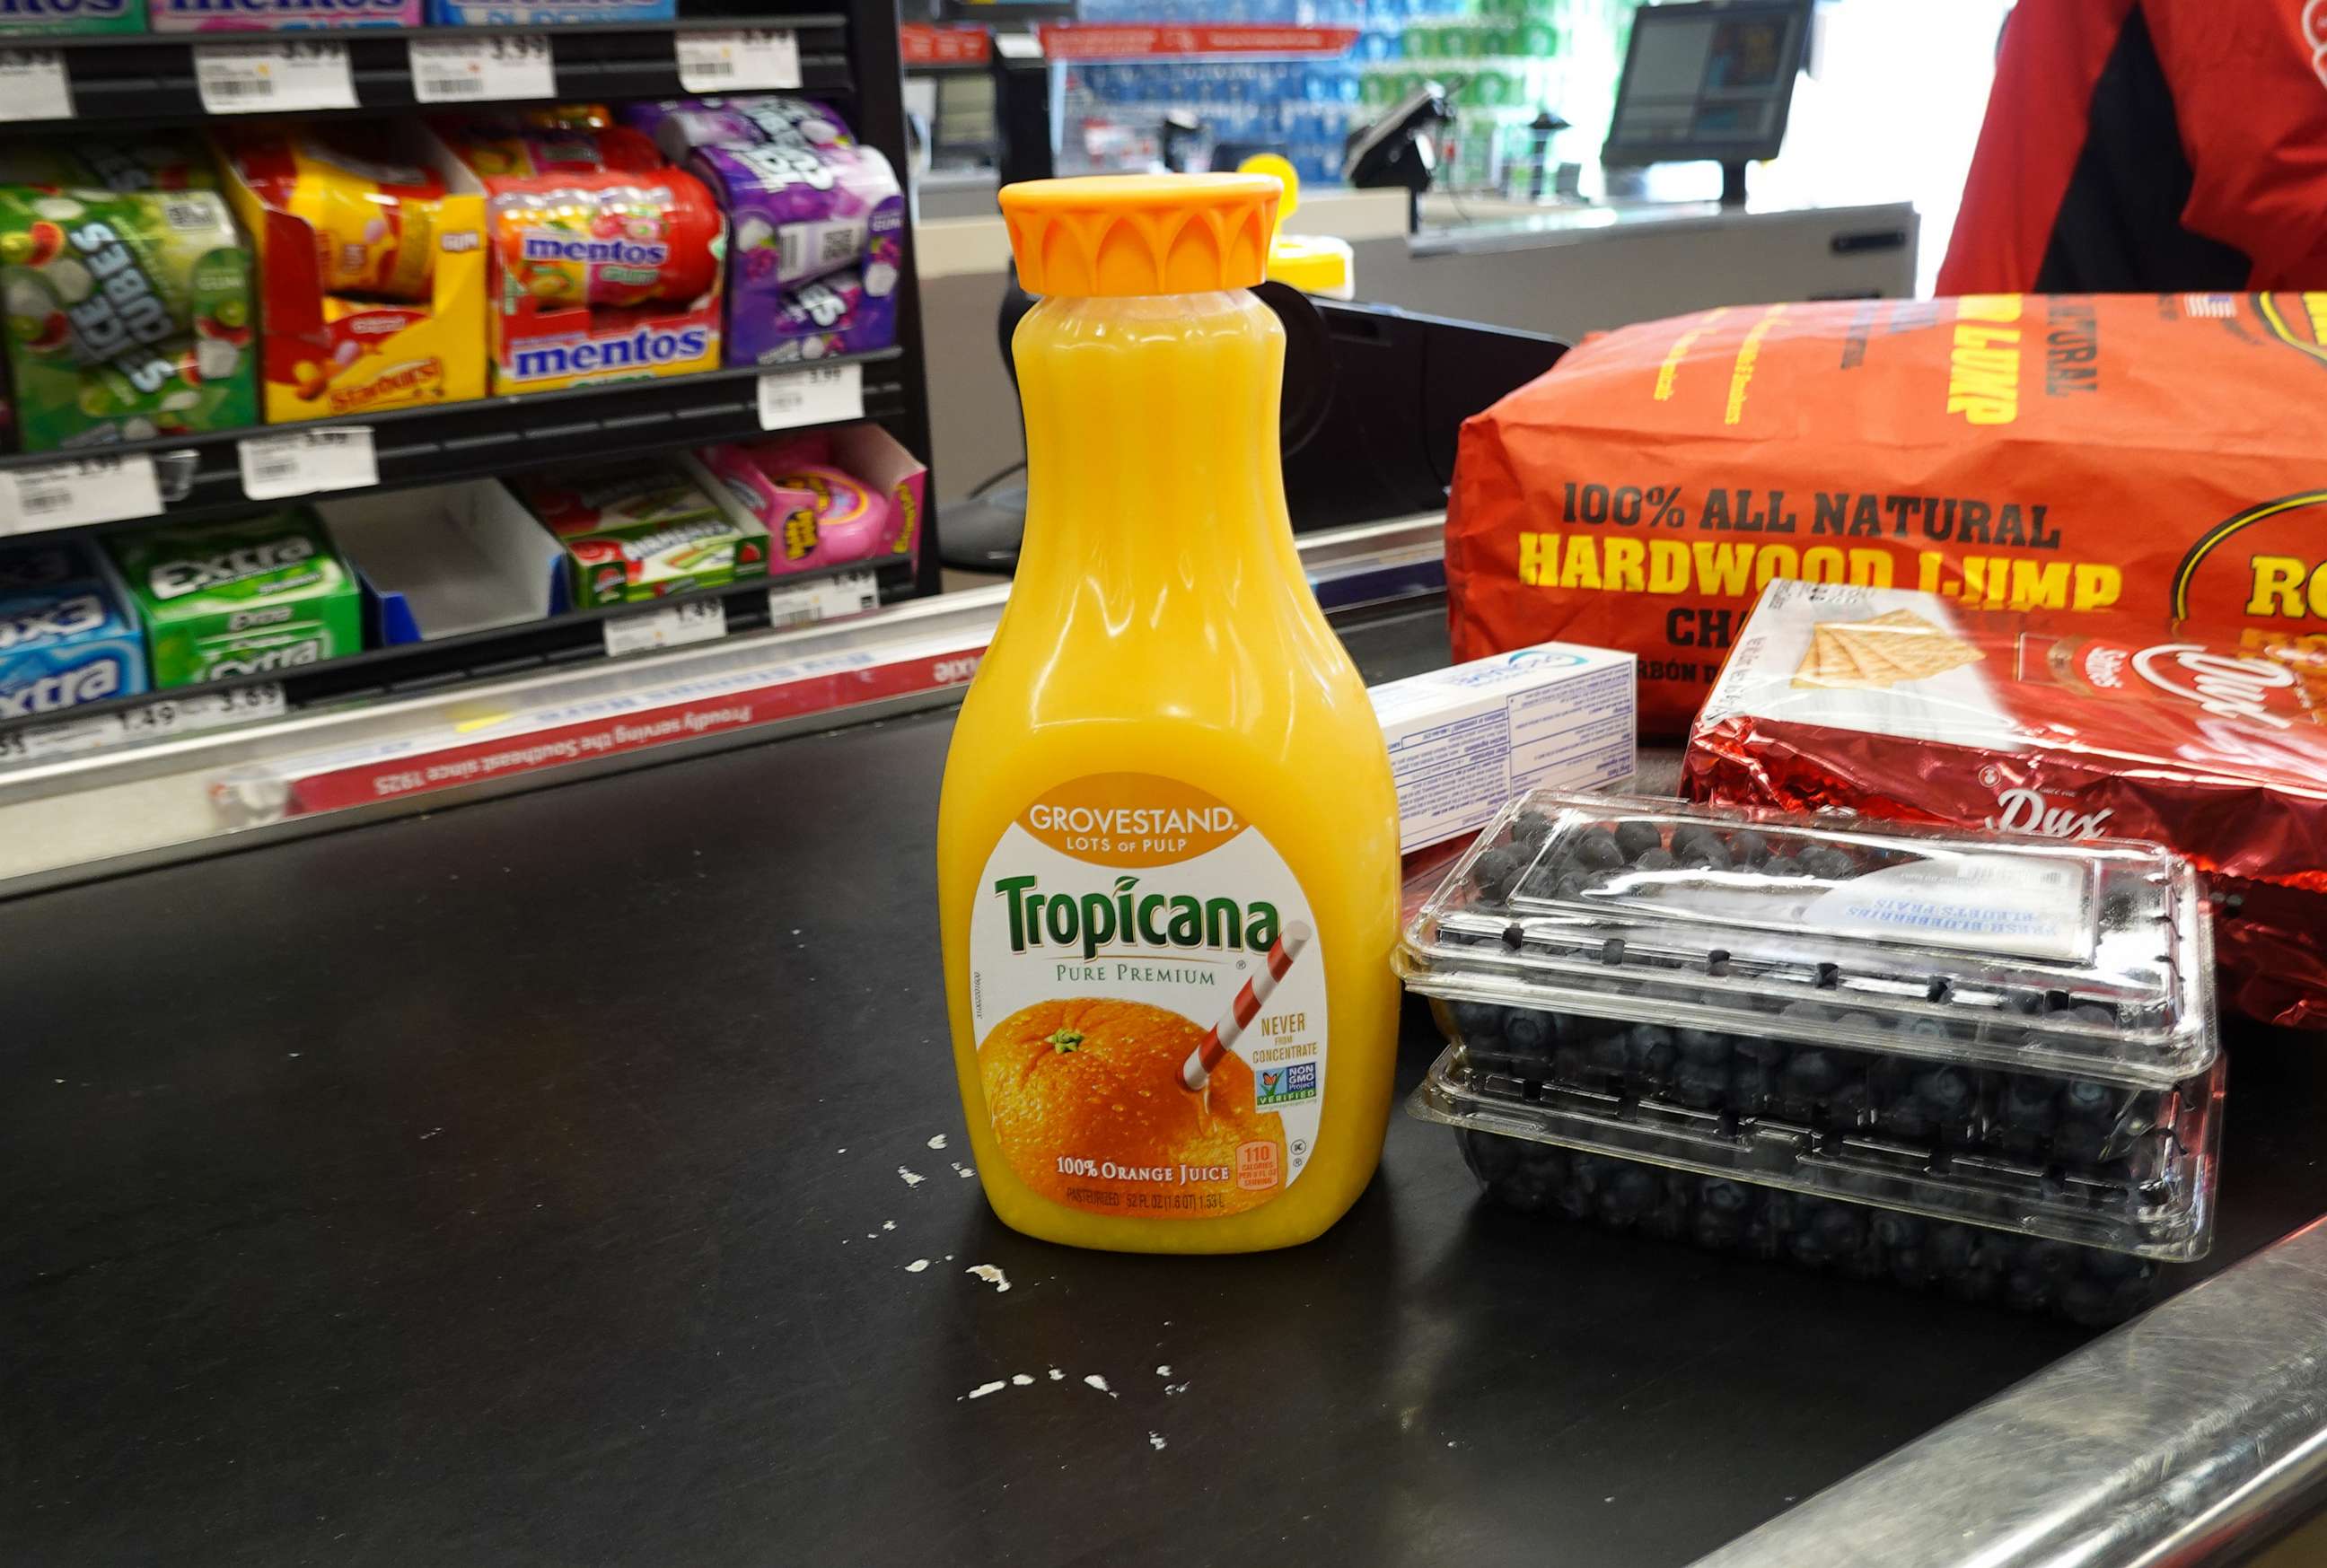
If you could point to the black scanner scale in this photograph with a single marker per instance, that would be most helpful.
(1374, 403)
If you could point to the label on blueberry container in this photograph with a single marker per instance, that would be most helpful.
(2027, 906)
(1149, 1002)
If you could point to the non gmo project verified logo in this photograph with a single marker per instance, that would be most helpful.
(1281, 1086)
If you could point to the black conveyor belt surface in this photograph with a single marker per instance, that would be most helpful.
(522, 1184)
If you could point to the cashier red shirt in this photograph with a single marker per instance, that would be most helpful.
(2140, 145)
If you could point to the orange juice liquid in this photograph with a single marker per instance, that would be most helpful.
(1166, 765)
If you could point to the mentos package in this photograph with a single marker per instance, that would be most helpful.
(637, 532)
(541, 12)
(1913, 707)
(280, 15)
(129, 315)
(606, 264)
(221, 600)
(370, 241)
(2163, 455)
(67, 635)
(20, 17)
(157, 161)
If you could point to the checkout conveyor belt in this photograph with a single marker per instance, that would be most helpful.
(579, 1177)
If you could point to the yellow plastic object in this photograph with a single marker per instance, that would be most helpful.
(1167, 844)
(1107, 236)
(1317, 263)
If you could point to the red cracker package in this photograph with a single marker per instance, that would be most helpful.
(1906, 705)
(2158, 455)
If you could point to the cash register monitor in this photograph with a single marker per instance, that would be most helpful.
(1709, 81)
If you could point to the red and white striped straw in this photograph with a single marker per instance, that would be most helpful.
(1250, 998)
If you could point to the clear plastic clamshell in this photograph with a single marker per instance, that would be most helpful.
(2010, 1033)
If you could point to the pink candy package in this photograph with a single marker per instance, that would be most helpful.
(827, 498)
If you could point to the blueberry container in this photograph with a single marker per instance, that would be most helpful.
(1879, 1046)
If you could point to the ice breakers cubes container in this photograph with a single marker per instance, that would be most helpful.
(1910, 1033)
(1167, 847)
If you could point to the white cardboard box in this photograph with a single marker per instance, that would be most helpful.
(1462, 741)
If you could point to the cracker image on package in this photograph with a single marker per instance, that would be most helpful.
(1896, 645)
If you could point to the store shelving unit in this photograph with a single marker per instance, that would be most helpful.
(848, 56)
(149, 79)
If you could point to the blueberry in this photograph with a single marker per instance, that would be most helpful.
(1529, 1032)
(1655, 860)
(1530, 829)
(1763, 1051)
(1494, 872)
(1699, 1085)
(1946, 1090)
(1594, 849)
(1979, 1283)
(1717, 1231)
(1636, 837)
(2029, 1106)
(2027, 1003)
(1896, 1229)
(1541, 879)
(1704, 854)
(2054, 1260)
(1535, 1184)
(1629, 1195)
(1690, 833)
(1705, 1046)
(1843, 1225)
(1593, 1171)
(1912, 1266)
(1924, 1029)
(2087, 1098)
(2094, 1013)
(1649, 1051)
(1812, 1074)
(1724, 1196)
(1667, 1221)
(1608, 1054)
(1574, 1198)
(1478, 1022)
(1954, 1248)
(1806, 1011)
(1828, 863)
(1571, 1063)
(2110, 1268)
(1752, 1087)
(1782, 865)
(1747, 847)
(2027, 1291)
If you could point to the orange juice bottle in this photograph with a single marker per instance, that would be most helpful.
(1167, 850)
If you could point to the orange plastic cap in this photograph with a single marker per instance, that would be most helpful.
(1141, 234)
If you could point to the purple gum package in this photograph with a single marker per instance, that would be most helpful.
(829, 315)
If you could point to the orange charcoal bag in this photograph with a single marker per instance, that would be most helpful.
(2161, 455)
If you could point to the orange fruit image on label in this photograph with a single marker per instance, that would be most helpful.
(1087, 1104)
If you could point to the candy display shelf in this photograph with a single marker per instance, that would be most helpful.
(126, 78)
(414, 730)
(200, 475)
(846, 55)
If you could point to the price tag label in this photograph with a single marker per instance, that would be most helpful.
(743, 59)
(107, 489)
(308, 462)
(35, 85)
(672, 626)
(499, 67)
(182, 715)
(824, 599)
(156, 721)
(246, 79)
(818, 395)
